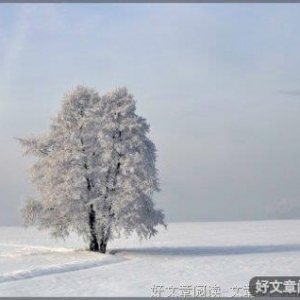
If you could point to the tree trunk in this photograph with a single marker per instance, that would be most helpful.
(103, 244)
(94, 245)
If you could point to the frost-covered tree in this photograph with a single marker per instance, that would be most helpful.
(95, 170)
(129, 176)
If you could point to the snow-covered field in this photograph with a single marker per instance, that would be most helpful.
(181, 260)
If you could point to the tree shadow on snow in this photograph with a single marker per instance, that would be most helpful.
(209, 250)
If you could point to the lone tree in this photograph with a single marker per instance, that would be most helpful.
(95, 170)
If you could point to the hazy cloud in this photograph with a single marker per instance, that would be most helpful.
(203, 76)
(290, 92)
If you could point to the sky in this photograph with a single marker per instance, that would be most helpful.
(218, 84)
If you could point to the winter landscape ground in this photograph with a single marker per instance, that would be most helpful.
(181, 260)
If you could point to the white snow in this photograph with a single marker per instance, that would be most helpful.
(224, 254)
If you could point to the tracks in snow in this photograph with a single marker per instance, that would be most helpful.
(97, 260)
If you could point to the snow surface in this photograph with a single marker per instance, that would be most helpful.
(222, 254)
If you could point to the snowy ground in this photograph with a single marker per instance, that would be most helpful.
(181, 260)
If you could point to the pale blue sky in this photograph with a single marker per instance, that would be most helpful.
(219, 84)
